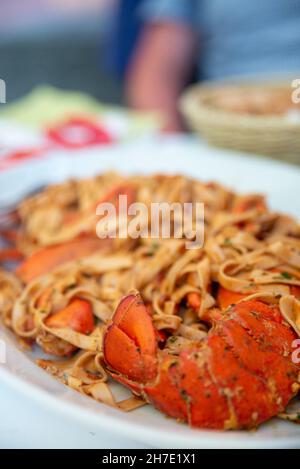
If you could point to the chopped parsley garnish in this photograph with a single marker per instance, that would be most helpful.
(286, 275)
(154, 247)
(172, 339)
(184, 395)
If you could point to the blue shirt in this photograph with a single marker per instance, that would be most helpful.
(237, 37)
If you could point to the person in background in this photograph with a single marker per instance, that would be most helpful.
(125, 33)
(222, 39)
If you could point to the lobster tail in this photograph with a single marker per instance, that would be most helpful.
(239, 377)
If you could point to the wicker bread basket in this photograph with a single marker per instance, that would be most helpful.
(269, 132)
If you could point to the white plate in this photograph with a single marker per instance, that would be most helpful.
(280, 182)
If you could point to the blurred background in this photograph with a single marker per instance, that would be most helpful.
(144, 53)
(59, 42)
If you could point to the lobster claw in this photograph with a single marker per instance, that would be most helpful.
(130, 346)
(239, 377)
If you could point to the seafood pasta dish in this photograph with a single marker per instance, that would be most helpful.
(208, 334)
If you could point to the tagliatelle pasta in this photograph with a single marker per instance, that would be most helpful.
(64, 293)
